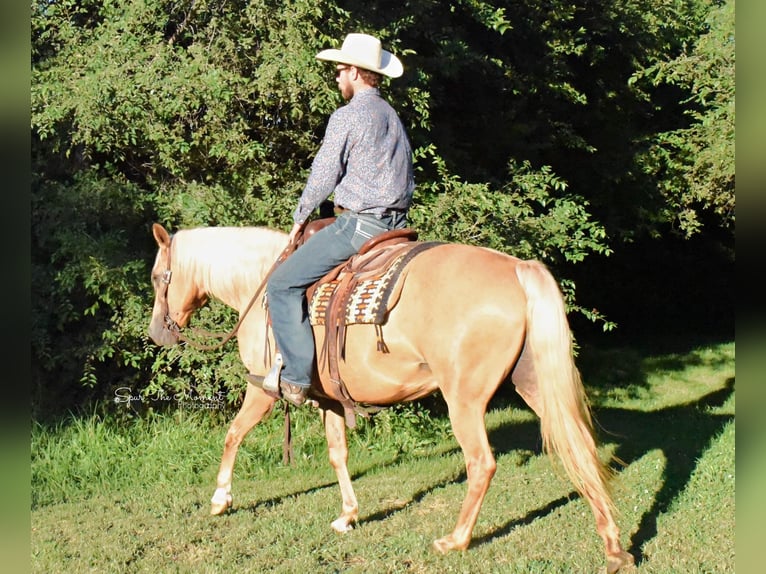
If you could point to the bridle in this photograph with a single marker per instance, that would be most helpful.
(170, 323)
(162, 295)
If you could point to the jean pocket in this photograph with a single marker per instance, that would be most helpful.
(365, 229)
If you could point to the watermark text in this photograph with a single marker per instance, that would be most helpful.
(184, 399)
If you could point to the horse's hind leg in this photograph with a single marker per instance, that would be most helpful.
(616, 557)
(255, 406)
(337, 448)
(471, 433)
(525, 380)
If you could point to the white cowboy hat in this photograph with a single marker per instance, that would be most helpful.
(364, 51)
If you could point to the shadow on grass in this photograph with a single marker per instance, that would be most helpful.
(278, 499)
(681, 432)
(458, 478)
(417, 497)
(531, 516)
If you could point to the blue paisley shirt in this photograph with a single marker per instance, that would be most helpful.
(365, 159)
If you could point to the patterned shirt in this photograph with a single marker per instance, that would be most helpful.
(365, 160)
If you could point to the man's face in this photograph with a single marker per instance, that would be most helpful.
(344, 75)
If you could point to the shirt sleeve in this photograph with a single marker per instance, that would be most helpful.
(327, 169)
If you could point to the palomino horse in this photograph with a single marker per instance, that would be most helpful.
(466, 318)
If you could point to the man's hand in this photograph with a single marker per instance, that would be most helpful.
(294, 232)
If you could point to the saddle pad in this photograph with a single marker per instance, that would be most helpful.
(368, 302)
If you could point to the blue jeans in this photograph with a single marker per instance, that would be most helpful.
(286, 289)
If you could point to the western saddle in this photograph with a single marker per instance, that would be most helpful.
(335, 301)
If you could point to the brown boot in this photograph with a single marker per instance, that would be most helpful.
(293, 393)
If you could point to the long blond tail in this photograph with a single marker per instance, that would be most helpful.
(566, 423)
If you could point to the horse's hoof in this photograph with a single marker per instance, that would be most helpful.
(616, 563)
(446, 544)
(221, 502)
(218, 509)
(342, 525)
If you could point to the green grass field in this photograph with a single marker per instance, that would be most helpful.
(132, 495)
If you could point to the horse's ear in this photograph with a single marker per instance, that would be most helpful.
(161, 235)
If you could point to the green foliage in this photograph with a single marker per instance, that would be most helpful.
(696, 162)
(529, 139)
(209, 105)
(205, 373)
(76, 459)
(89, 292)
(100, 454)
(144, 112)
(406, 429)
(531, 216)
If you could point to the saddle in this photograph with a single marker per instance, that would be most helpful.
(360, 290)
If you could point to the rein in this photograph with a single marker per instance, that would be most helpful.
(171, 325)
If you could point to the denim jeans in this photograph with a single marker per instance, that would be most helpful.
(286, 289)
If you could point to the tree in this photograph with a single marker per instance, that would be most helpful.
(693, 166)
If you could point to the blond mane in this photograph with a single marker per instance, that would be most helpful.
(228, 263)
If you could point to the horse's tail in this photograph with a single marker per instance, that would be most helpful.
(566, 423)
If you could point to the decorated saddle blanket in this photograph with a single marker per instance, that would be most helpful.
(365, 288)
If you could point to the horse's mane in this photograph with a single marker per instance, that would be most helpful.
(228, 263)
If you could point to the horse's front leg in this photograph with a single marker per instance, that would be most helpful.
(255, 406)
(337, 447)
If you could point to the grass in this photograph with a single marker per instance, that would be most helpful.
(132, 496)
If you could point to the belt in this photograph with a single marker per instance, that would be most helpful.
(339, 210)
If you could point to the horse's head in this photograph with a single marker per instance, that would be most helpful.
(175, 294)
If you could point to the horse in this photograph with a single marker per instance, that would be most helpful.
(466, 318)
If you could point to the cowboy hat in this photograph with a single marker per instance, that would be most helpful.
(364, 51)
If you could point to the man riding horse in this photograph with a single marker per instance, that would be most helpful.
(366, 161)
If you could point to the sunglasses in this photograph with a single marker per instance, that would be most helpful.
(341, 69)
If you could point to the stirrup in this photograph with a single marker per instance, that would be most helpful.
(271, 380)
